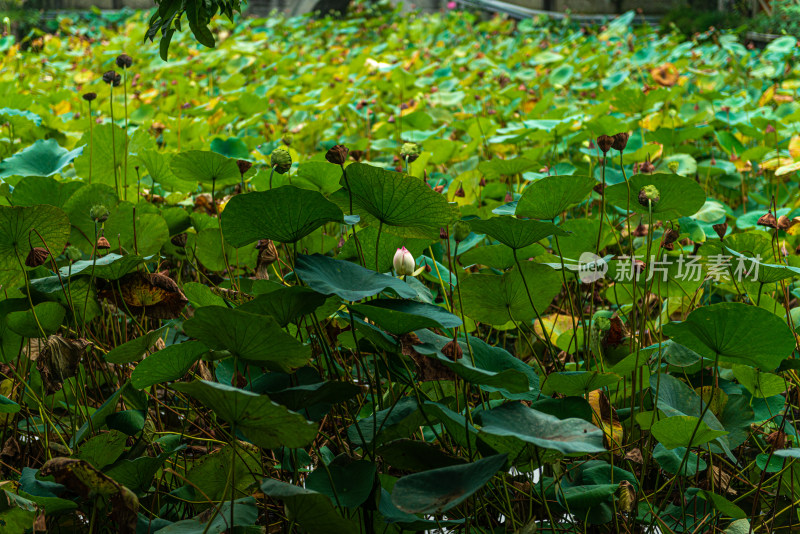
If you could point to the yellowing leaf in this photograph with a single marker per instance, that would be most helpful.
(605, 417)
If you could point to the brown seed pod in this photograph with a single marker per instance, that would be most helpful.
(124, 61)
(784, 222)
(36, 257)
(620, 141)
(243, 165)
(103, 244)
(768, 220)
(720, 229)
(670, 236)
(179, 240)
(605, 142)
(112, 78)
(453, 350)
(337, 154)
(89, 96)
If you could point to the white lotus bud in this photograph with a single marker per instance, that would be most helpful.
(403, 262)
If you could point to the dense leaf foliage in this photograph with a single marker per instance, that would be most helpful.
(398, 273)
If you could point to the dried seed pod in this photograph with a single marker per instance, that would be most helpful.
(784, 222)
(620, 141)
(647, 167)
(443, 233)
(460, 192)
(670, 236)
(103, 244)
(112, 78)
(243, 165)
(605, 142)
(124, 61)
(453, 350)
(768, 220)
(89, 96)
(179, 240)
(36, 257)
(721, 229)
(337, 154)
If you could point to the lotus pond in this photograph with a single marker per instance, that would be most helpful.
(398, 273)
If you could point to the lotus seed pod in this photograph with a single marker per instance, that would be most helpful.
(620, 141)
(410, 151)
(103, 244)
(674, 166)
(605, 142)
(649, 196)
(99, 213)
(721, 229)
(337, 154)
(243, 165)
(124, 61)
(768, 220)
(461, 231)
(112, 78)
(89, 96)
(36, 257)
(281, 160)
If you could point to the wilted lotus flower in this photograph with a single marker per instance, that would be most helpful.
(665, 75)
(403, 262)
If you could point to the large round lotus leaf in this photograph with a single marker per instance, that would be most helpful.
(42, 158)
(255, 339)
(233, 147)
(144, 233)
(48, 315)
(498, 299)
(205, 167)
(285, 215)
(505, 167)
(679, 196)
(672, 461)
(286, 304)
(261, 421)
(736, 333)
(549, 197)
(543, 430)
(347, 280)
(403, 316)
(438, 490)
(36, 190)
(684, 431)
(170, 363)
(17, 235)
(107, 155)
(513, 232)
(79, 207)
(347, 484)
(399, 200)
